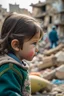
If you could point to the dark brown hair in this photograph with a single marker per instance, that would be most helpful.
(17, 26)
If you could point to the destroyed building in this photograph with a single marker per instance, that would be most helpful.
(15, 8)
(3, 13)
(49, 13)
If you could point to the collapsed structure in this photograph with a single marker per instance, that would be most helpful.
(49, 13)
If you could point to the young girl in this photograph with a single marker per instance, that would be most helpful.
(19, 37)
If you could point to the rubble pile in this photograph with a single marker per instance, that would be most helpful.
(49, 65)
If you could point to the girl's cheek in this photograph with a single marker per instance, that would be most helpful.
(31, 53)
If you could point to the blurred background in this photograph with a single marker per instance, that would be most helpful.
(49, 13)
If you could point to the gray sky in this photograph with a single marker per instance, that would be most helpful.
(22, 3)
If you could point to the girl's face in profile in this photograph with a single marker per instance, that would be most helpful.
(29, 48)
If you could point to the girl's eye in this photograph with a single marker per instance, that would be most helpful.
(34, 43)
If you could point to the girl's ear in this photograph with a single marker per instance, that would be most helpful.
(15, 44)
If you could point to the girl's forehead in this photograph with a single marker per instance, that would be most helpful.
(36, 36)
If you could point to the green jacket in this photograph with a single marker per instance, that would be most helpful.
(14, 79)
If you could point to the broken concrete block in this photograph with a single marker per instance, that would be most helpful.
(53, 51)
(60, 56)
(47, 62)
(60, 72)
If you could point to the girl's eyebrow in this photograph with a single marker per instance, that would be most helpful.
(34, 40)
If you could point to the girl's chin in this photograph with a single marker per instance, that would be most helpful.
(30, 58)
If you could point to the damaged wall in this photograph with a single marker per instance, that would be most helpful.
(3, 13)
(52, 15)
(36, 11)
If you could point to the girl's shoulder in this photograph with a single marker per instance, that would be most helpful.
(10, 66)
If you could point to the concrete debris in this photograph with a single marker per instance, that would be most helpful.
(60, 56)
(49, 66)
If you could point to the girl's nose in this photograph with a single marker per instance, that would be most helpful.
(36, 50)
